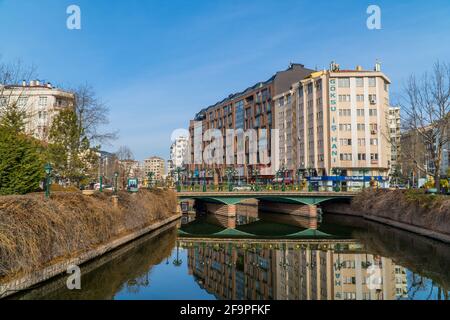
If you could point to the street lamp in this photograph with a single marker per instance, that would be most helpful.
(256, 173)
(337, 172)
(116, 176)
(230, 172)
(179, 170)
(48, 171)
(364, 171)
(150, 179)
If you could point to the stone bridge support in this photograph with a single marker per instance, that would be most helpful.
(227, 210)
(303, 210)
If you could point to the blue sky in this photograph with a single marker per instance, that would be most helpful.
(156, 63)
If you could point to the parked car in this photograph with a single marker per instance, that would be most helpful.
(105, 187)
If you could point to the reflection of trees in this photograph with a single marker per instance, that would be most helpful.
(129, 270)
(178, 262)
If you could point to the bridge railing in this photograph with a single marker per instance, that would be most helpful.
(261, 188)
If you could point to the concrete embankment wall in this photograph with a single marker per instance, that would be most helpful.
(427, 215)
(40, 239)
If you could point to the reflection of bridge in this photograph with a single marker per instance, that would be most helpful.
(297, 203)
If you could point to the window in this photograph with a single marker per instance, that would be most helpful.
(373, 142)
(346, 157)
(346, 142)
(374, 156)
(373, 127)
(360, 97)
(43, 101)
(372, 82)
(361, 156)
(344, 98)
(319, 84)
(373, 112)
(281, 102)
(361, 142)
(345, 112)
(310, 88)
(361, 127)
(360, 112)
(360, 82)
(345, 127)
(22, 101)
(344, 82)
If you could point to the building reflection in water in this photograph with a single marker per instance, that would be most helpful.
(307, 270)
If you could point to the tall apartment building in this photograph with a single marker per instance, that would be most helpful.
(178, 151)
(155, 165)
(336, 119)
(394, 123)
(251, 108)
(41, 103)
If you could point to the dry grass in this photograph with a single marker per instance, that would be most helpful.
(407, 206)
(34, 232)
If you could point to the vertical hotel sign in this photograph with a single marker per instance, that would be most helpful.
(333, 122)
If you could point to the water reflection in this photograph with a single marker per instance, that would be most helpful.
(266, 256)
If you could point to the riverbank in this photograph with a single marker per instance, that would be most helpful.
(411, 210)
(40, 239)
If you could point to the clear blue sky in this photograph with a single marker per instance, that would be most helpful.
(156, 63)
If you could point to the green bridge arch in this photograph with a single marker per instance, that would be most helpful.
(288, 199)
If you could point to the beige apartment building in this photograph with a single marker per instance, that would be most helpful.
(336, 119)
(155, 165)
(41, 103)
(252, 108)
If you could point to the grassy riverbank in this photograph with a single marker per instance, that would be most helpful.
(35, 233)
(410, 207)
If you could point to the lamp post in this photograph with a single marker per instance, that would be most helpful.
(150, 179)
(116, 176)
(179, 170)
(337, 172)
(230, 172)
(204, 180)
(365, 171)
(48, 171)
(310, 172)
(255, 173)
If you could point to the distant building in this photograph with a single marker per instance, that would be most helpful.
(178, 151)
(40, 101)
(394, 124)
(155, 165)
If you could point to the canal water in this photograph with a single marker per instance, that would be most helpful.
(265, 256)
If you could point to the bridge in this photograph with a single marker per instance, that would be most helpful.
(289, 202)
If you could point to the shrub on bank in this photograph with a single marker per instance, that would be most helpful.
(34, 232)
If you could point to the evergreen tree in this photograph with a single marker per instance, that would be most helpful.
(69, 150)
(21, 163)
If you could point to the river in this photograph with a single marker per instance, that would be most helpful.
(265, 256)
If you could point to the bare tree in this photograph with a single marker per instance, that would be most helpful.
(426, 105)
(92, 113)
(12, 112)
(125, 164)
